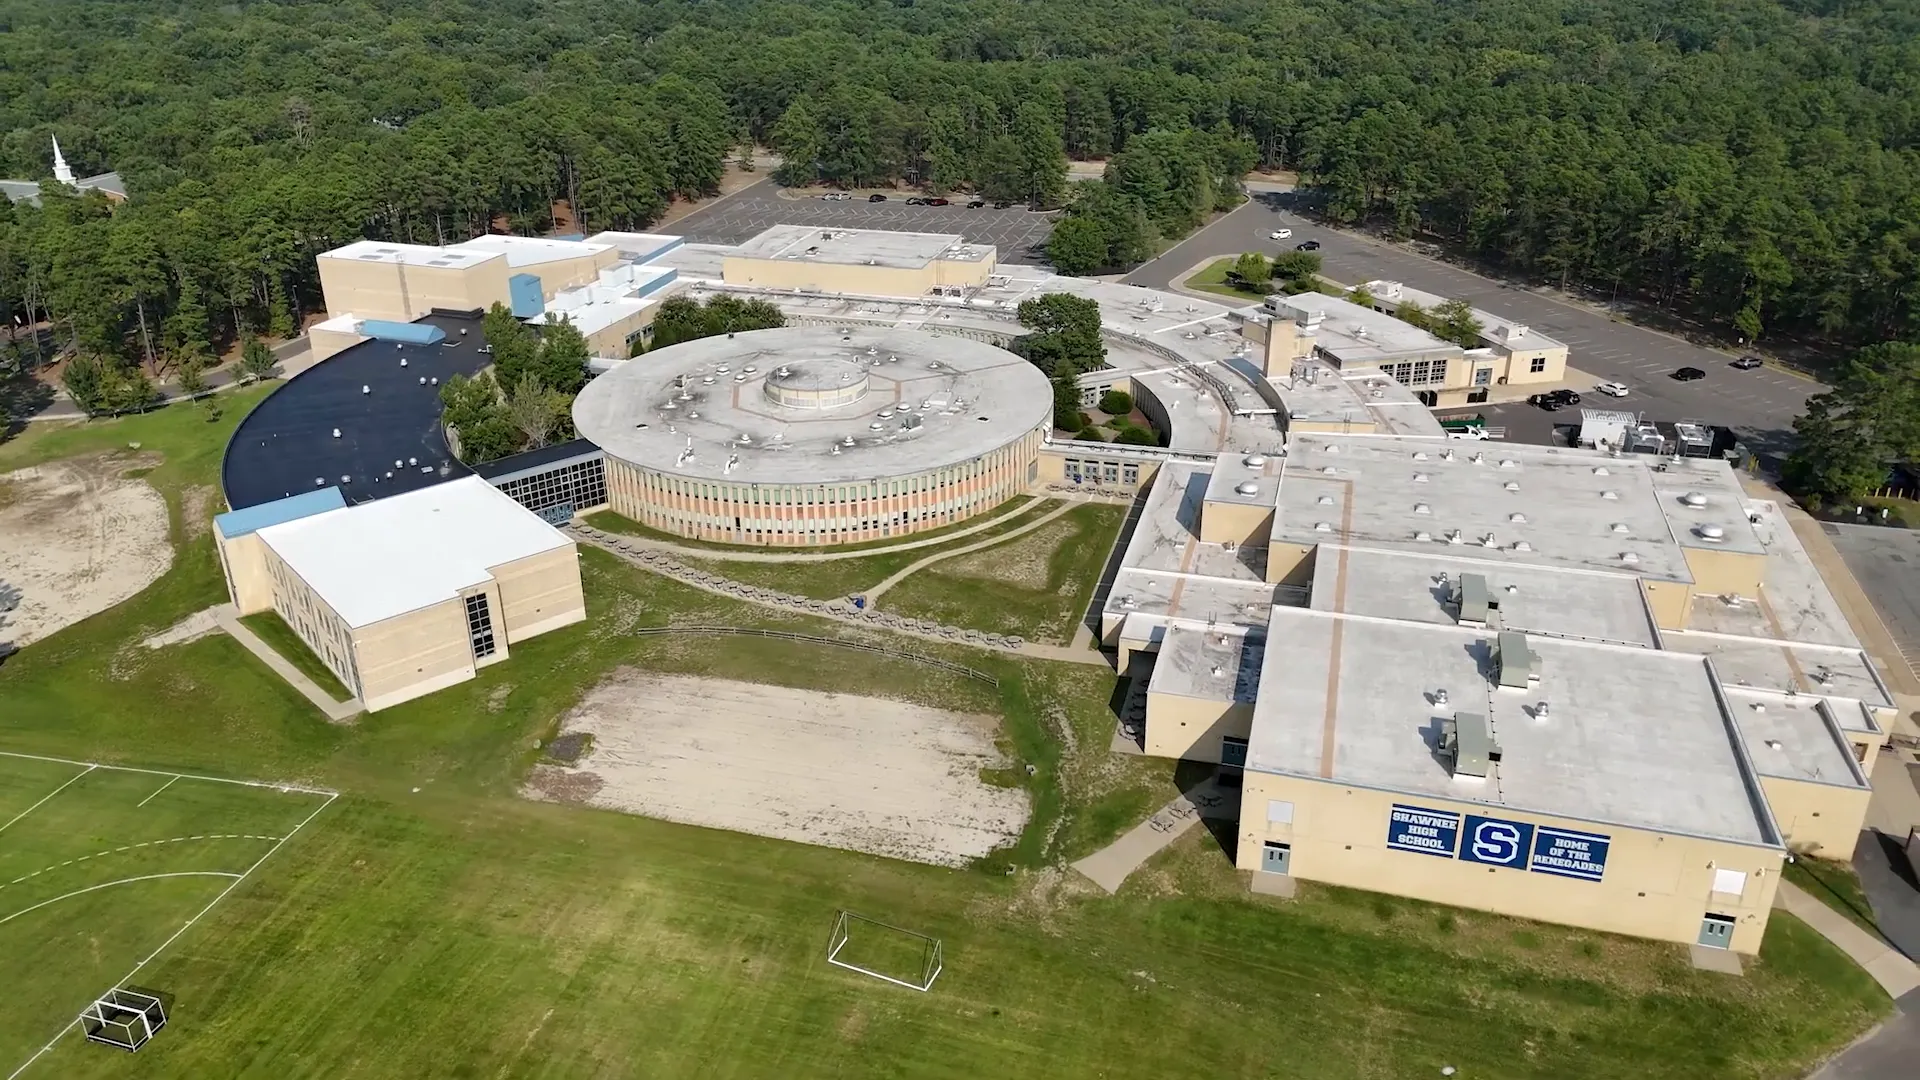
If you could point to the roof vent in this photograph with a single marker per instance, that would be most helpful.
(1324, 500)
(1522, 545)
(1519, 665)
(1447, 454)
(1610, 494)
(1253, 461)
(1517, 519)
(1333, 448)
(1511, 486)
(1488, 541)
(1629, 557)
(1712, 534)
(1328, 469)
(1419, 455)
(1454, 537)
(1620, 527)
(1419, 478)
(1601, 470)
(1322, 526)
(1422, 536)
(1694, 499)
(1248, 487)
(1422, 508)
(1509, 463)
(1468, 744)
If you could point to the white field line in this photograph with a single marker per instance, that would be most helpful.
(49, 795)
(110, 884)
(175, 775)
(157, 791)
(132, 847)
(184, 927)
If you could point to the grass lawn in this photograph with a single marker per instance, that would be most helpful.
(430, 922)
(1834, 884)
(1036, 586)
(1213, 279)
(275, 632)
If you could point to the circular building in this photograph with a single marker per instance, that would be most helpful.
(810, 435)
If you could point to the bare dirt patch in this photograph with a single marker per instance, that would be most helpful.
(82, 536)
(866, 774)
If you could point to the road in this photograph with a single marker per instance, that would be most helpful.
(1760, 405)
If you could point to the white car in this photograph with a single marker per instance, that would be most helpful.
(1611, 389)
(837, 196)
(1280, 234)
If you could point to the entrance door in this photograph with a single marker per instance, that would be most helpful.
(1716, 932)
(1274, 857)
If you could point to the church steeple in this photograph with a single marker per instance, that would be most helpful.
(61, 171)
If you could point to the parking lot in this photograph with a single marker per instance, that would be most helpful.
(1884, 561)
(1019, 234)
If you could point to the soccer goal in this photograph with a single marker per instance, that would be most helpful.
(888, 953)
(124, 1018)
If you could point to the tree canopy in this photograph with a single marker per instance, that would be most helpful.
(1853, 434)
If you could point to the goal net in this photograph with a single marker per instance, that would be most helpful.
(124, 1018)
(888, 953)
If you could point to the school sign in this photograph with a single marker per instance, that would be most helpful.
(1517, 845)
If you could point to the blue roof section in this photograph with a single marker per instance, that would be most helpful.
(252, 519)
(413, 333)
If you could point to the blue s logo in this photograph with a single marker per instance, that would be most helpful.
(1496, 842)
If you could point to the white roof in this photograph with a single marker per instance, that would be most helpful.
(528, 250)
(385, 558)
(384, 251)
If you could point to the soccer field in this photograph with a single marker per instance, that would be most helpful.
(101, 868)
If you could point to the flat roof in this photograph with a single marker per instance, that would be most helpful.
(1798, 605)
(1795, 740)
(638, 247)
(1577, 509)
(286, 443)
(528, 250)
(1167, 573)
(381, 559)
(1315, 392)
(1785, 667)
(1634, 737)
(862, 247)
(1582, 604)
(387, 251)
(1352, 334)
(930, 400)
(1244, 480)
(1508, 333)
(1212, 665)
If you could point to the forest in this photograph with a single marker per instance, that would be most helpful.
(1754, 162)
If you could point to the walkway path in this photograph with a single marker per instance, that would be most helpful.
(1895, 973)
(873, 595)
(726, 554)
(639, 554)
(339, 712)
(1110, 866)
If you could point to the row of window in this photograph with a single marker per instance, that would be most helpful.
(579, 485)
(1099, 472)
(319, 628)
(810, 495)
(1417, 372)
(480, 626)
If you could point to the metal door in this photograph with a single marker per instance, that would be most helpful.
(1716, 932)
(1274, 857)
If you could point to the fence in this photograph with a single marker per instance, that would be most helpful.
(838, 643)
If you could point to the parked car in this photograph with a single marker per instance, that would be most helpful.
(1003, 204)
(876, 197)
(1554, 400)
(975, 204)
(1748, 363)
(1688, 374)
(1307, 245)
(916, 201)
(938, 202)
(1612, 389)
(1280, 234)
(1476, 432)
(837, 196)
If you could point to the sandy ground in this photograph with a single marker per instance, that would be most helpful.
(76, 538)
(860, 773)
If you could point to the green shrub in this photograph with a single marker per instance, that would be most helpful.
(1116, 403)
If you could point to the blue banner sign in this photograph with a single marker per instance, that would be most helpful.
(1496, 842)
(1430, 832)
(1568, 853)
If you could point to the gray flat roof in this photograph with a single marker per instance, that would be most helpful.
(1785, 667)
(1584, 604)
(1168, 573)
(1319, 393)
(1496, 329)
(1352, 334)
(1634, 737)
(1212, 665)
(862, 247)
(1576, 508)
(931, 400)
(1794, 739)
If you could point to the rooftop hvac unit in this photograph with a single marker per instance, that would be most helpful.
(1519, 665)
(1468, 745)
(1475, 602)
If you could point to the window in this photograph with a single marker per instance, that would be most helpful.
(576, 485)
(1537, 365)
(1482, 376)
(1279, 812)
(1417, 372)
(480, 626)
(1233, 751)
(1731, 882)
(1130, 474)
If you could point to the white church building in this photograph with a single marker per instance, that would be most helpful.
(106, 183)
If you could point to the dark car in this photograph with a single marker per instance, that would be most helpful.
(1688, 374)
(1307, 245)
(1553, 400)
(916, 201)
(1003, 204)
(876, 198)
(938, 202)
(975, 204)
(1748, 363)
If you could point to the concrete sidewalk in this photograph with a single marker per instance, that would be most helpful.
(339, 712)
(1110, 866)
(1895, 973)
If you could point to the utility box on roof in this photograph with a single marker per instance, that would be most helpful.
(524, 291)
(1468, 744)
(1519, 666)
